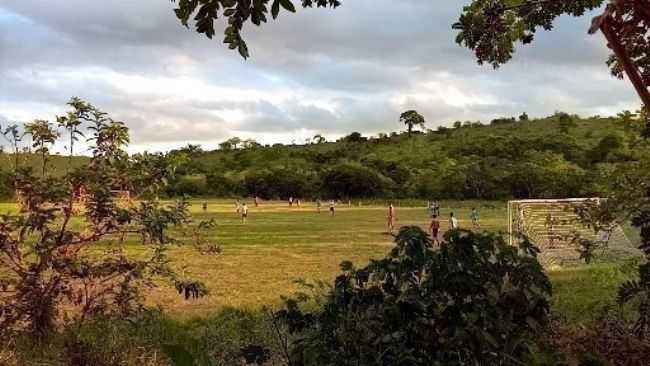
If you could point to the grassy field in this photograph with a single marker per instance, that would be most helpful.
(262, 258)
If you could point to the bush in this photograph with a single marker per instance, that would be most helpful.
(477, 301)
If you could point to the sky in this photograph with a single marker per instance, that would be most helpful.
(319, 71)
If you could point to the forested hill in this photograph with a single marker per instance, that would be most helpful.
(558, 156)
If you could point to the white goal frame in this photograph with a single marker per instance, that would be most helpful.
(511, 204)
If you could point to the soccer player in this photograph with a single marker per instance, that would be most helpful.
(257, 201)
(391, 218)
(332, 206)
(290, 201)
(244, 212)
(453, 222)
(435, 209)
(318, 205)
(435, 228)
(474, 215)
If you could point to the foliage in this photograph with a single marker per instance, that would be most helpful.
(43, 137)
(476, 301)
(54, 273)
(351, 180)
(491, 28)
(411, 119)
(515, 159)
(237, 13)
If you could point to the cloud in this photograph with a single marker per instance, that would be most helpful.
(355, 68)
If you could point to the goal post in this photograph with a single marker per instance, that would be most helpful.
(554, 226)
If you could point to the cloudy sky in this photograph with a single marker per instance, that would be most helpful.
(355, 68)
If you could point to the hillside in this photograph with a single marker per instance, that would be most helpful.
(557, 156)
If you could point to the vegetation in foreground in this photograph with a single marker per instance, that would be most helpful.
(75, 258)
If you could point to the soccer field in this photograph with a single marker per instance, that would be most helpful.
(279, 245)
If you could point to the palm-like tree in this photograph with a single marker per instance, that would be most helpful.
(43, 136)
(13, 136)
(73, 120)
(412, 118)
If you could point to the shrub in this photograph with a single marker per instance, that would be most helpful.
(476, 301)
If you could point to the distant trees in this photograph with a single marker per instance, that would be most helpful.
(606, 146)
(280, 183)
(319, 139)
(412, 119)
(490, 163)
(354, 137)
(230, 144)
(524, 117)
(348, 180)
(503, 120)
(566, 122)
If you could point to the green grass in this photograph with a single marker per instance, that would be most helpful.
(278, 245)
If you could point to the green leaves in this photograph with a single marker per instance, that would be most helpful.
(238, 12)
(94, 198)
(275, 9)
(288, 5)
(475, 301)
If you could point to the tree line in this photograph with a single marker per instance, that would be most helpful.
(561, 155)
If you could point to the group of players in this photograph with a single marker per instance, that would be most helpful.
(433, 209)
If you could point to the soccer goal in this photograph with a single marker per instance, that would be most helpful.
(555, 226)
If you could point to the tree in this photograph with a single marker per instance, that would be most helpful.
(72, 121)
(354, 137)
(490, 28)
(43, 137)
(524, 117)
(319, 139)
(237, 13)
(230, 144)
(566, 122)
(191, 149)
(14, 137)
(250, 144)
(352, 180)
(411, 119)
(47, 248)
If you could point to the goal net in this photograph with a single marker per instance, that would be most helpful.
(554, 226)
